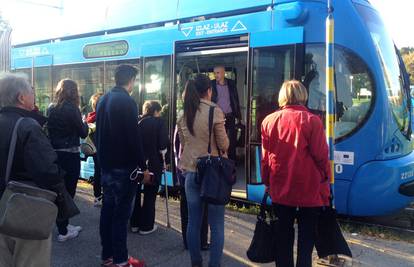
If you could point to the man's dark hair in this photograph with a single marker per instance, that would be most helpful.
(124, 74)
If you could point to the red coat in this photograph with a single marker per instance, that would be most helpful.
(295, 164)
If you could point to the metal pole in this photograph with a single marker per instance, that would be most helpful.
(163, 152)
(330, 93)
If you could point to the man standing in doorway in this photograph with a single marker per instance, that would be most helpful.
(226, 97)
(119, 151)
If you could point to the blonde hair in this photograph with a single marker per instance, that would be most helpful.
(93, 101)
(292, 92)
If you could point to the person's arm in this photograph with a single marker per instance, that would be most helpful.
(318, 147)
(237, 112)
(162, 136)
(180, 135)
(265, 168)
(219, 130)
(132, 133)
(76, 121)
(40, 159)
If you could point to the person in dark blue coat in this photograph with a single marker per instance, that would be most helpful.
(119, 146)
(65, 128)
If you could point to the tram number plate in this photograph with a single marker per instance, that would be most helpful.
(339, 168)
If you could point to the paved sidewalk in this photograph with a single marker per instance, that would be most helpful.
(165, 248)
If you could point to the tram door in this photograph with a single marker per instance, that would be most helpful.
(202, 56)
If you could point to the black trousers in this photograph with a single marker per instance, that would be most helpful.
(184, 220)
(70, 163)
(231, 131)
(97, 187)
(307, 219)
(143, 215)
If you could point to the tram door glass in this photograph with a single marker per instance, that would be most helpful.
(271, 67)
(43, 88)
(156, 85)
(110, 76)
(89, 78)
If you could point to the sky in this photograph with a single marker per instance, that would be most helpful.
(46, 14)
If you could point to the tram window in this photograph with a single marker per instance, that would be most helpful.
(43, 88)
(157, 82)
(353, 82)
(271, 67)
(110, 77)
(89, 78)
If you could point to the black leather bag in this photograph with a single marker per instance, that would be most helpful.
(215, 174)
(66, 205)
(329, 238)
(262, 249)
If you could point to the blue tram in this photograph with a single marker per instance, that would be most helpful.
(261, 43)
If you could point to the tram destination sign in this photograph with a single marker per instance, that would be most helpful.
(107, 49)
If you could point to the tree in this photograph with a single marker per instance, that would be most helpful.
(407, 54)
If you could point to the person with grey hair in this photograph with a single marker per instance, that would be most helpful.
(34, 160)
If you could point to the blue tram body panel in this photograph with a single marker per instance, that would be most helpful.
(382, 157)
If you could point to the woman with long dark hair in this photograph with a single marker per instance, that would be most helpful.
(65, 128)
(194, 136)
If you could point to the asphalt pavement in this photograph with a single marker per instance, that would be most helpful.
(164, 247)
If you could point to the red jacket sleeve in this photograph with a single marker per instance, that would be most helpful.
(265, 168)
(319, 147)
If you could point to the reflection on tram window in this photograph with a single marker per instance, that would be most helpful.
(271, 67)
(89, 78)
(157, 83)
(353, 84)
(110, 76)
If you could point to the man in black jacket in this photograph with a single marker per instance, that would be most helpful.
(226, 97)
(119, 150)
(34, 160)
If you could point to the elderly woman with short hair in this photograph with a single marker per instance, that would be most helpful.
(295, 170)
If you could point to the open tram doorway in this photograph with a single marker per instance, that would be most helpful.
(203, 56)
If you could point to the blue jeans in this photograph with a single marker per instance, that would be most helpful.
(118, 193)
(215, 220)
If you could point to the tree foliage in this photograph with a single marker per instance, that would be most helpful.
(407, 54)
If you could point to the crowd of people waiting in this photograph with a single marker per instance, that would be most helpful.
(294, 165)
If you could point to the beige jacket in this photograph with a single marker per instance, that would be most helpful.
(196, 146)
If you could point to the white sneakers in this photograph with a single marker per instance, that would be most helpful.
(73, 231)
(70, 235)
(134, 229)
(71, 227)
(148, 232)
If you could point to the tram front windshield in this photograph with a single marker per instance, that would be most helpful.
(397, 97)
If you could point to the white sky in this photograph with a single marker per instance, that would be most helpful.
(30, 21)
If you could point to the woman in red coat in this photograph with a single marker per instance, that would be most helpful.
(295, 170)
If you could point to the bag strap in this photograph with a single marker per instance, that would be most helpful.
(262, 213)
(210, 127)
(12, 148)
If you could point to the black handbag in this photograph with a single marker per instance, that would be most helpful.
(216, 175)
(262, 249)
(329, 238)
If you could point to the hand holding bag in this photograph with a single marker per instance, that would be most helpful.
(262, 249)
(215, 174)
(26, 211)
